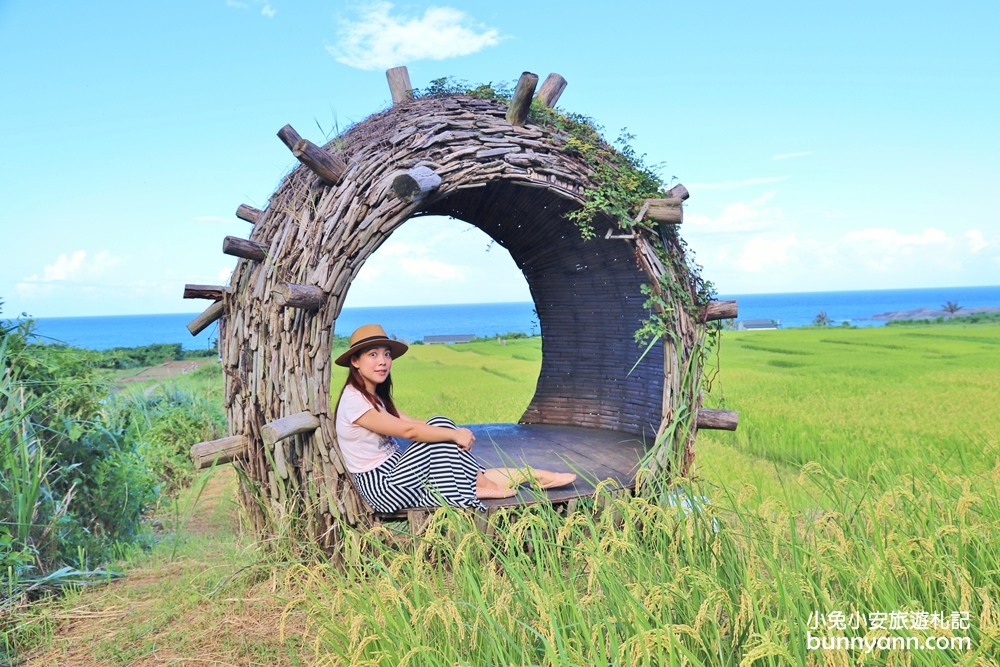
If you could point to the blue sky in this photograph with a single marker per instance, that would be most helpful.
(826, 145)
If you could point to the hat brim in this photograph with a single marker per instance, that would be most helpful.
(398, 349)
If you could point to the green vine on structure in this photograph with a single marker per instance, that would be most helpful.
(622, 183)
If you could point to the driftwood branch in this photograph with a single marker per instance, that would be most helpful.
(719, 310)
(237, 247)
(249, 213)
(286, 427)
(399, 84)
(327, 166)
(215, 292)
(722, 420)
(211, 314)
(667, 211)
(289, 136)
(415, 184)
(679, 192)
(292, 295)
(551, 89)
(223, 450)
(520, 104)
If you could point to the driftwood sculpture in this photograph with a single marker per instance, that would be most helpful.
(484, 162)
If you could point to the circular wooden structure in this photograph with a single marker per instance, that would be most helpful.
(476, 160)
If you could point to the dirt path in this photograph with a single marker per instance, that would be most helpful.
(211, 602)
(168, 369)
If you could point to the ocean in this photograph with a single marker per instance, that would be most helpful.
(488, 319)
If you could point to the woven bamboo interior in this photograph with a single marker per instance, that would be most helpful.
(589, 306)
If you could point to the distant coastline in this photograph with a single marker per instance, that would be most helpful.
(931, 314)
(858, 308)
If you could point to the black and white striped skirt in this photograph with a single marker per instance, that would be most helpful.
(426, 474)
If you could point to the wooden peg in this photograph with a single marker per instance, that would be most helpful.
(415, 184)
(211, 314)
(551, 90)
(249, 213)
(520, 104)
(399, 84)
(237, 247)
(722, 420)
(291, 295)
(214, 292)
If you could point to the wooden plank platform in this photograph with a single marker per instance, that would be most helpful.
(593, 454)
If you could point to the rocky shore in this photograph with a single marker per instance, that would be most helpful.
(930, 313)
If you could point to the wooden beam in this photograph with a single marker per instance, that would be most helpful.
(286, 427)
(249, 213)
(237, 247)
(327, 166)
(223, 450)
(719, 310)
(520, 104)
(667, 211)
(215, 292)
(722, 420)
(415, 184)
(551, 89)
(679, 192)
(289, 136)
(292, 295)
(211, 314)
(399, 84)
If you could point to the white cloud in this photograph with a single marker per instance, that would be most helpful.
(265, 7)
(430, 268)
(764, 252)
(76, 267)
(976, 240)
(788, 156)
(64, 267)
(731, 185)
(378, 39)
(224, 274)
(739, 216)
(883, 249)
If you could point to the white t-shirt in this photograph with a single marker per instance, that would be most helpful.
(363, 450)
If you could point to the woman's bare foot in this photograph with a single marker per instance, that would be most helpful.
(552, 480)
(488, 488)
(545, 479)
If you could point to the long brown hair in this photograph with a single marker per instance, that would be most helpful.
(382, 398)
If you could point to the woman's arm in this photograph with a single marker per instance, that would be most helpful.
(407, 418)
(382, 422)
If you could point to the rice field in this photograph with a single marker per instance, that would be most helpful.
(853, 519)
(911, 400)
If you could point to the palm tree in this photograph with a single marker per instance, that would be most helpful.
(822, 319)
(951, 307)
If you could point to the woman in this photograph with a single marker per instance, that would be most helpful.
(437, 467)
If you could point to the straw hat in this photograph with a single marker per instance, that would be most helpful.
(370, 335)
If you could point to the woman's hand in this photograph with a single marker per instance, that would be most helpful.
(464, 438)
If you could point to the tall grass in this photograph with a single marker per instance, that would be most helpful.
(24, 467)
(668, 578)
(883, 499)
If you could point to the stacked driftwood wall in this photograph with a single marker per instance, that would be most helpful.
(474, 159)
